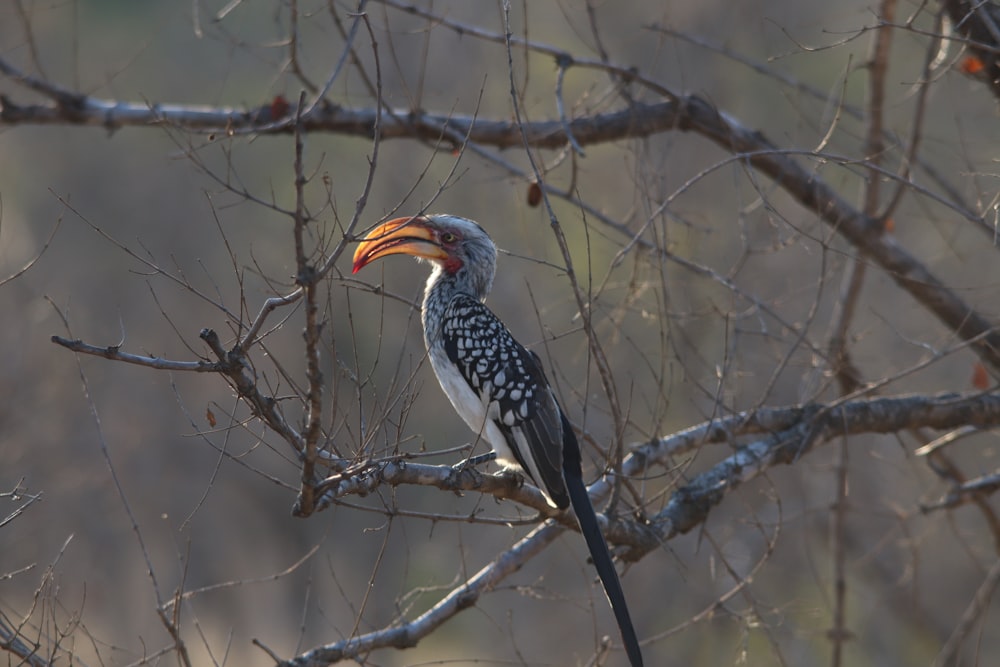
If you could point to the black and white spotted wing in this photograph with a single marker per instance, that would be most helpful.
(513, 388)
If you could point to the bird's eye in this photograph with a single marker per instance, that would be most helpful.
(448, 237)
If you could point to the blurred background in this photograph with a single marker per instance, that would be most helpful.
(160, 233)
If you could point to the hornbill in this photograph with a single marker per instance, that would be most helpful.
(494, 383)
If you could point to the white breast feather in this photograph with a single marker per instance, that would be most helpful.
(471, 407)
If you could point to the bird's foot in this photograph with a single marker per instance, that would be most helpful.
(510, 477)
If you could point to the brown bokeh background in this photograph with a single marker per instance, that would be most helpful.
(683, 347)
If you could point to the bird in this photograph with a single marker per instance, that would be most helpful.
(495, 384)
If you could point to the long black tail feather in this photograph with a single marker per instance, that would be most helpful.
(591, 530)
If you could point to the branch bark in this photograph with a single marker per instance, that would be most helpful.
(690, 113)
(788, 434)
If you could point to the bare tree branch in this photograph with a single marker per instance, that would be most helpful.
(11, 642)
(238, 370)
(978, 606)
(860, 230)
(788, 434)
(407, 635)
(690, 113)
(114, 353)
(966, 492)
(326, 394)
(791, 433)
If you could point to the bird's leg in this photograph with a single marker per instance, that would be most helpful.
(474, 461)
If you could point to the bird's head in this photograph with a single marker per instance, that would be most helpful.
(459, 248)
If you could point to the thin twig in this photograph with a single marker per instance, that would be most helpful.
(848, 376)
(406, 635)
(966, 492)
(172, 628)
(38, 255)
(615, 450)
(978, 606)
(237, 369)
(561, 107)
(114, 353)
(335, 72)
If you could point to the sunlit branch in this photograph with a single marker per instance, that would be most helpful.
(791, 432)
(114, 353)
(788, 433)
(964, 493)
